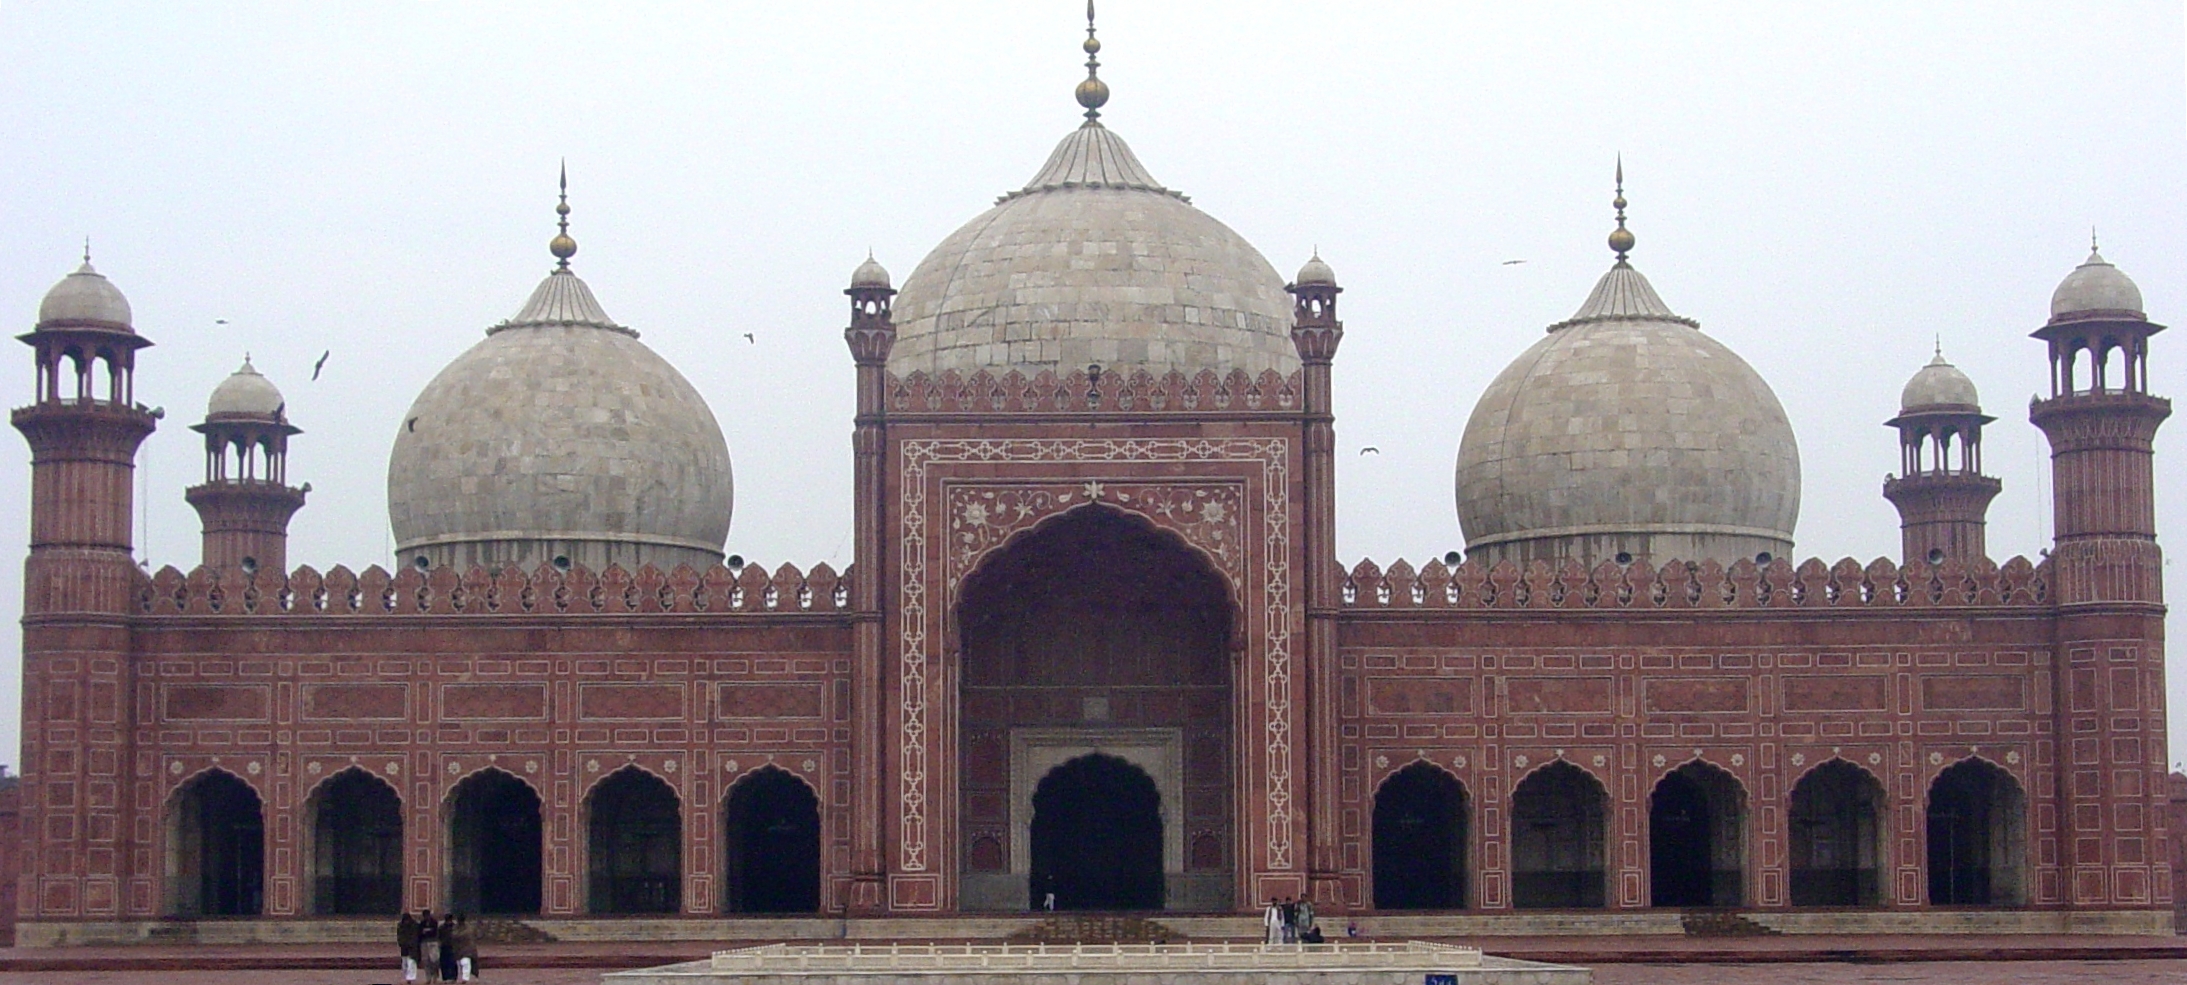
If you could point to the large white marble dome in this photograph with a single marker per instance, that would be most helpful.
(559, 438)
(1627, 433)
(1093, 262)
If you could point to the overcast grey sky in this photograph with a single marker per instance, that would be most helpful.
(1827, 187)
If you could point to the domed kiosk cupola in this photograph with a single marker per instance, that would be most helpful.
(1627, 434)
(559, 438)
(1943, 498)
(245, 502)
(1093, 262)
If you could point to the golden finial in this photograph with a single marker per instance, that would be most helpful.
(1621, 239)
(562, 246)
(1092, 93)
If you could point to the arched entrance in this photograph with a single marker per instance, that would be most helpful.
(771, 845)
(493, 845)
(1557, 839)
(1420, 841)
(216, 849)
(356, 846)
(633, 845)
(1095, 632)
(1097, 837)
(1696, 838)
(1837, 837)
(1976, 836)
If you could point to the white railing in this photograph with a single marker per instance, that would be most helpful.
(979, 958)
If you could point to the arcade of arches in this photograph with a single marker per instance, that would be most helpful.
(1096, 840)
(1096, 622)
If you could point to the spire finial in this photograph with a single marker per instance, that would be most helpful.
(1621, 239)
(562, 246)
(1940, 345)
(87, 249)
(1092, 93)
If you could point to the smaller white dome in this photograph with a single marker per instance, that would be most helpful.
(1938, 386)
(85, 296)
(1315, 273)
(245, 394)
(869, 274)
(2095, 286)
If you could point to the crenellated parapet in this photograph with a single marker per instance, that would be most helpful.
(1703, 585)
(1090, 389)
(544, 591)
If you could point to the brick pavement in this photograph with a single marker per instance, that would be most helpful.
(2163, 972)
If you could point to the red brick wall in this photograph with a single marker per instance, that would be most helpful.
(11, 853)
(2176, 785)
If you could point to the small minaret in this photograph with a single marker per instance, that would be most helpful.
(1943, 498)
(2106, 579)
(245, 501)
(1316, 332)
(871, 334)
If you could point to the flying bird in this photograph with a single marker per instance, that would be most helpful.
(220, 321)
(1370, 450)
(1508, 263)
(321, 364)
(748, 338)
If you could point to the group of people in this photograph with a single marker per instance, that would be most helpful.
(1289, 921)
(443, 949)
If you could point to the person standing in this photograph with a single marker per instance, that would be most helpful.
(429, 945)
(451, 945)
(1305, 922)
(456, 949)
(406, 940)
(1272, 922)
(1290, 921)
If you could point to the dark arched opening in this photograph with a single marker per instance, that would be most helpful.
(1097, 622)
(633, 845)
(1837, 837)
(1976, 836)
(1557, 839)
(217, 849)
(1097, 836)
(1420, 841)
(356, 846)
(771, 844)
(1696, 838)
(494, 846)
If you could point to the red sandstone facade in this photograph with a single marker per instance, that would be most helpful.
(876, 691)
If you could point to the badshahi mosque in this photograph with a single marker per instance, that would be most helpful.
(1096, 641)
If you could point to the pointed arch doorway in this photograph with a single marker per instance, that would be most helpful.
(1096, 634)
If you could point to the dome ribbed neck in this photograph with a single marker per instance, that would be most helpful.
(1092, 157)
(562, 300)
(1623, 295)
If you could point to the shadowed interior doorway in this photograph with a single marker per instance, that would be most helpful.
(494, 846)
(771, 844)
(1097, 837)
(1420, 841)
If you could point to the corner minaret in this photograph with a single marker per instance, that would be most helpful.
(245, 501)
(2106, 578)
(79, 588)
(1943, 498)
